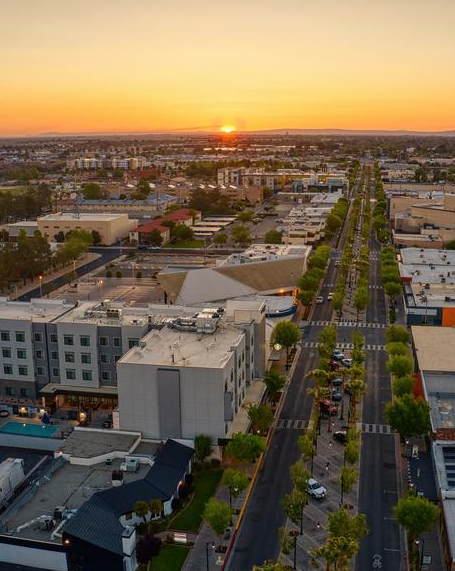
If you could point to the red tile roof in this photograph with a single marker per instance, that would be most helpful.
(181, 215)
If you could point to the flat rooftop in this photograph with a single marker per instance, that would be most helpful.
(431, 294)
(444, 460)
(428, 257)
(38, 310)
(89, 443)
(432, 346)
(266, 253)
(177, 348)
(440, 392)
(69, 486)
(423, 274)
(82, 217)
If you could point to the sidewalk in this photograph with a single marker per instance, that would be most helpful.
(49, 277)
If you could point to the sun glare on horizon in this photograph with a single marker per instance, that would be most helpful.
(227, 129)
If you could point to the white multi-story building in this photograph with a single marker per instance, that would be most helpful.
(64, 356)
(190, 376)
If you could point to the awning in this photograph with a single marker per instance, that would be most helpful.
(275, 354)
(52, 389)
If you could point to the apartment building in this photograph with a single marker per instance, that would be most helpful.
(293, 179)
(190, 375)
(93, 163)
(27, 335)
(62, 356)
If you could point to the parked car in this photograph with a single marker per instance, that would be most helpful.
(334, 365)
(337, 382)
(337, 355)
(316, 490)
(328, 407)
(336, 396)
(337, 263)
(154, 248)
(341, 436)
(346, 362)
(330, 296)
(319, 300)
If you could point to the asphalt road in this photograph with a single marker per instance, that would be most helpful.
(107, 255)
(258, 537)
(378, 490)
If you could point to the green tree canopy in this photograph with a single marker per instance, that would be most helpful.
(402, 386)
(217, 515)
(245, 447)
(241, 235)
(416, 514)
(274, 382)
(408, 416)
(202, 446)
(286, 334)
(398, 334)
(273, 237)
(400, 365)
(261, 417)
(235, 480)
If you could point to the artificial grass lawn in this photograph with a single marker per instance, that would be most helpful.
(186, 244)
(170, 558)
(205, 484)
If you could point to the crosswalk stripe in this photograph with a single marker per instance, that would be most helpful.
(294, 424)
(374, 428)
(367, 347)
(361, 324)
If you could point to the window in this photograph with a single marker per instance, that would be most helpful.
(8, 369)
(104, 341)
(21, 354)
(117, 341)
(106, 376)
(38, 337)
(133, 342)
(105, 359)
(40, 371)
(55, 372)
(4, 335)
(25, 393)
(68, 340)
(23, 371)
(54, 355)
(38, 354)
(20, 336)
(85, 341)
(117, 358)
(10, 391)
(54, 338)
(69, 358)
(71, 374)
(86, 358)
(86, 375)
(6, 353)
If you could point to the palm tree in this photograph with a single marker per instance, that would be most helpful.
(356, 388)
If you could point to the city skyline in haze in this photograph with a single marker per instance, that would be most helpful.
(112, 67)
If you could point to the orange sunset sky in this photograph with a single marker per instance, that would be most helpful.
(147, 65)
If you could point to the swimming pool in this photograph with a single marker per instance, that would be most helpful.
(26, 429)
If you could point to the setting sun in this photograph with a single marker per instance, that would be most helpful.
(227, 129)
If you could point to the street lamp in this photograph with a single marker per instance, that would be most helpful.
(212, 546)
(40, 277)
(294, 535)
(420, 552)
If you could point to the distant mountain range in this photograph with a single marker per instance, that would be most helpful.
(263, 132)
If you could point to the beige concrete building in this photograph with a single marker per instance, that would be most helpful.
(111, 227)
(433, 218)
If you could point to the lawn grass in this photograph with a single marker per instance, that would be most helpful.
(186, 244)
(205, 484)
(170, 558)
